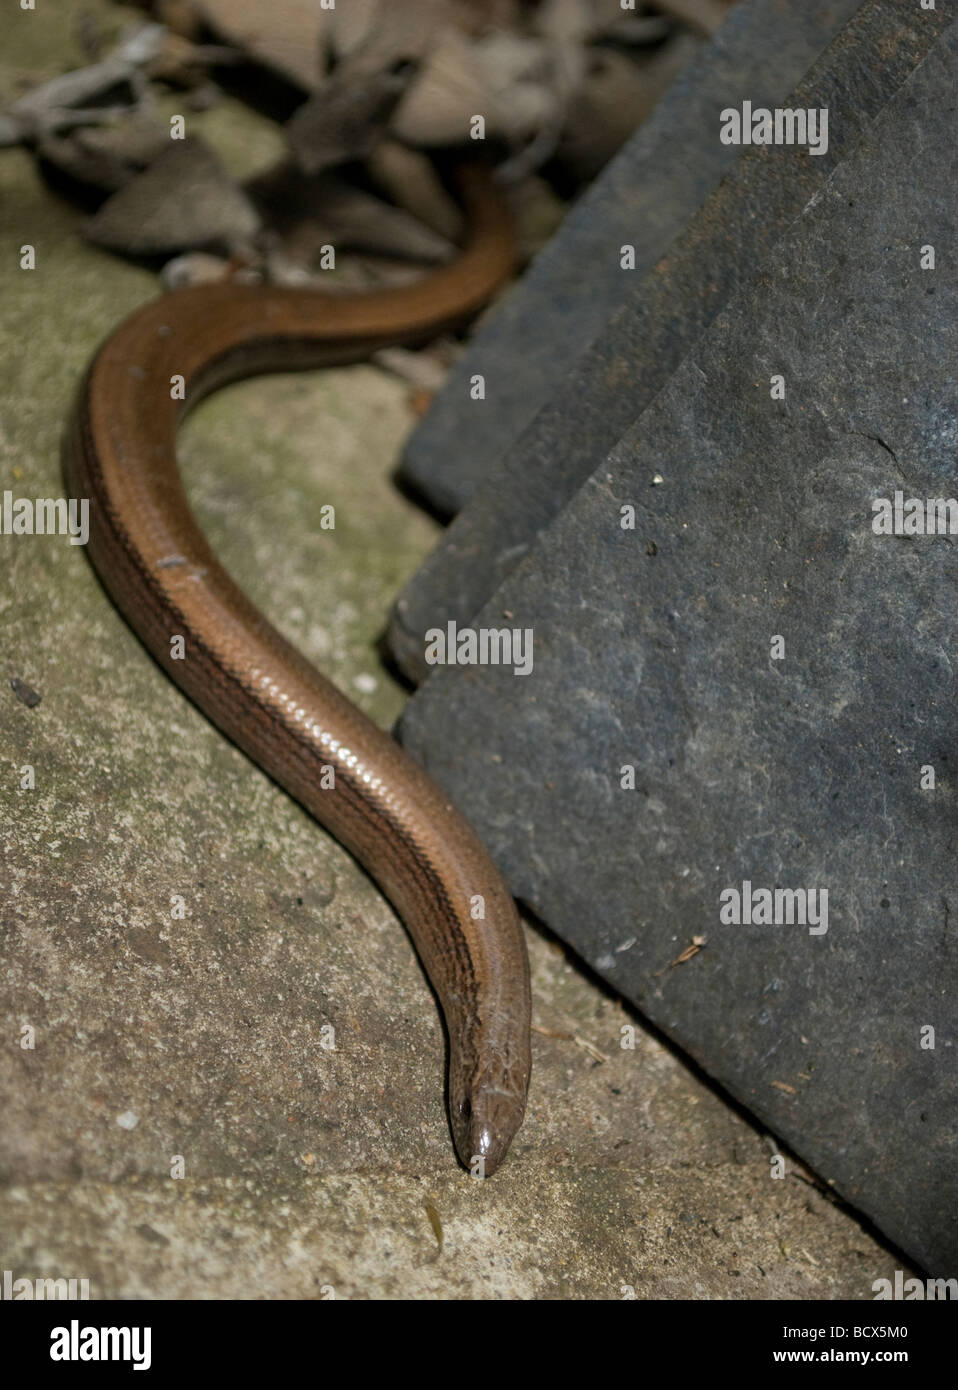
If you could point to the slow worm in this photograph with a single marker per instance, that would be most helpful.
(120, 452)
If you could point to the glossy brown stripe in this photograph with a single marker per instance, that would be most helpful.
(120, 452)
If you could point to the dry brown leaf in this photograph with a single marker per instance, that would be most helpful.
(508, 79)
(184, 201)
(521, 80)
(410, 179)
(446, 93)
(344, 120)
(308, 211)
(107, 157)
(287, 36)
(357, 219)
(376, 35)
(76, 98)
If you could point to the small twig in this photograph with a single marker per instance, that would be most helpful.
(60, 103)
(435, 1222)
(691, 950)
(584, 1043)
(590, 1048)
(552, 1033)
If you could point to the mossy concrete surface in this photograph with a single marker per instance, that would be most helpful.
(194, 1044)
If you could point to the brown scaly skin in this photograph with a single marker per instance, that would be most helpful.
(120, 452)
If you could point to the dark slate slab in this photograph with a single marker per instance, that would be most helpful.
(644, 197)
(653, 649)
(660, 318)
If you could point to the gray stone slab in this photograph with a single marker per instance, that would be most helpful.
(658, 322)
(656, 648)
(644, 197)
(303, 1167)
